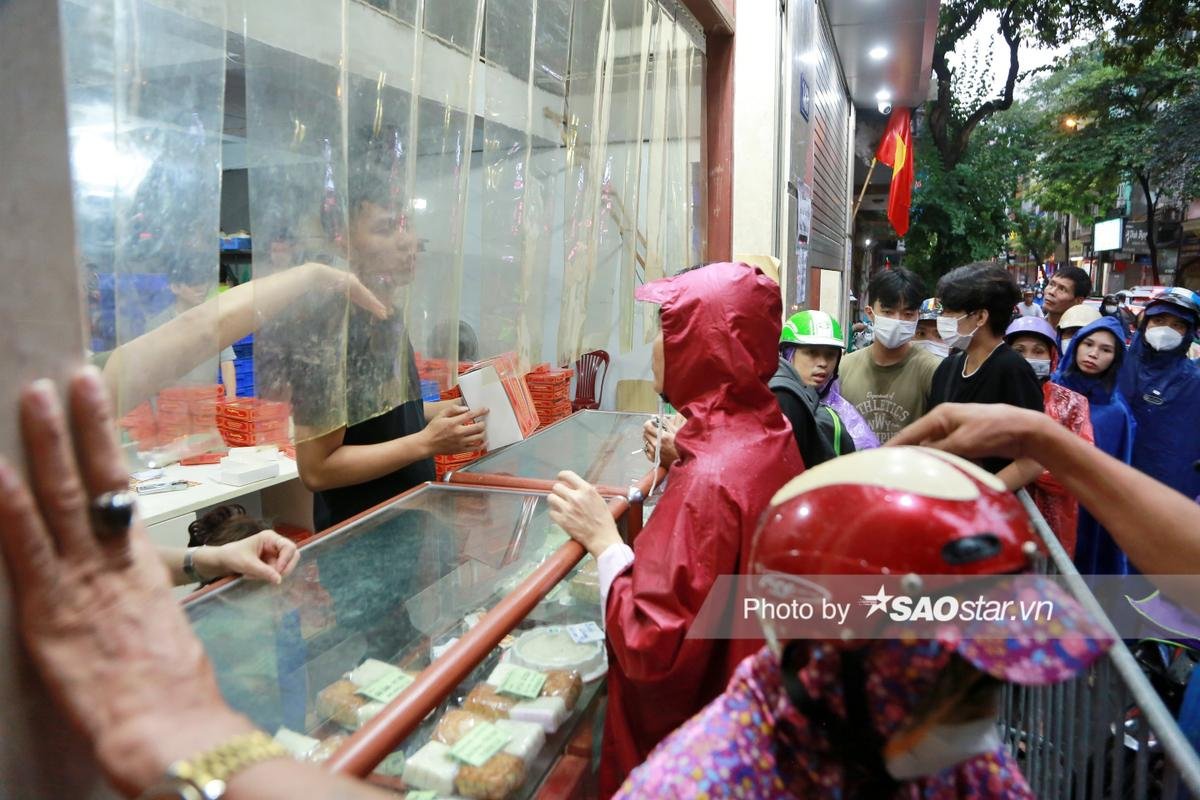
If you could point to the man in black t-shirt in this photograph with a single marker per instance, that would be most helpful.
(389, 446)
(977, 302)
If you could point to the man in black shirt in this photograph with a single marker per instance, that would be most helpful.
(389, 445)
(977, 302)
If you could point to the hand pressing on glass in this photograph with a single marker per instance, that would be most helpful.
(577, 508)
(456, 429)
(93, 607)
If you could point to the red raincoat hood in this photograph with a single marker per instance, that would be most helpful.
(721, 326)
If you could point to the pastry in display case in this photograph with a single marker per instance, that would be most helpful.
(396, 589)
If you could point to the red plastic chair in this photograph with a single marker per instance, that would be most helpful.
(588, 388)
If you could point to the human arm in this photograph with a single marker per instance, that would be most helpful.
(326, 462)
(1157, 527)
(1020, 473)
(142, 366)
(264, 556)
(98, 620)
(229, 378)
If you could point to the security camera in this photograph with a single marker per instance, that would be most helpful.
(884, 106)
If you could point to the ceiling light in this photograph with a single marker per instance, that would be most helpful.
(419, 204)
(878, 53)
(883, 95)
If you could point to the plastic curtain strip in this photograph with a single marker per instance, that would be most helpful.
(697, 155)
(676, 215)
(445, 126)
(494, 277)
(616, 230)
(633, 239)
(654, 187)
(588, 105)
(295, 85)
(145, 95)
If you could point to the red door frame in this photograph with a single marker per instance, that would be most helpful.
(717, 19)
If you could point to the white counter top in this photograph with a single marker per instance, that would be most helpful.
(156, 508)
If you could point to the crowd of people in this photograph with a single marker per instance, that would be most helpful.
(1099, 422)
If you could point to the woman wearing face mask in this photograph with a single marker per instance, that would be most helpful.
(1162, 388)
(1113, 305)
(977, 302)
(810, 349)
(873, 717)
(927, 336)
(1090, 367)
(1033, 339)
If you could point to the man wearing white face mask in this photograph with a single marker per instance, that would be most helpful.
(977, 302)
(888, 382)
(1162, 389)
(927, 336)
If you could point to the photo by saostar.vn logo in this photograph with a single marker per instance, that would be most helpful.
(948, 608)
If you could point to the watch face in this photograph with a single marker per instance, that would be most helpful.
(172, 790)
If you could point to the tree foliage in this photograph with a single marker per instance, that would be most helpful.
(1034, 233)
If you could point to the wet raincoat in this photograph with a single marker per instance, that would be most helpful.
(721, 328)
(753, 743)
(1058, 506)
(1113, 427)
(1163, 392)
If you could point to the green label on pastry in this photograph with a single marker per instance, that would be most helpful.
(523, 682)
(388, 687)
(481, 743)
(423, 794)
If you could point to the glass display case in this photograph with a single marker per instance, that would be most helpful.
(604, 447)
(386, 636)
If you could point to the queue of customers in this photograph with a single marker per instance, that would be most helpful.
(774, 417)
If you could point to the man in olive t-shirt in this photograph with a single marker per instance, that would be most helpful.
(889, 381)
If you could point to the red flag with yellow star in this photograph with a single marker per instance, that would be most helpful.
(895, 150)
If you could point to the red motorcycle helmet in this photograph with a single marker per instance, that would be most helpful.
(894, 511)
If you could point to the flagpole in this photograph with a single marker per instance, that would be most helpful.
(858, 205)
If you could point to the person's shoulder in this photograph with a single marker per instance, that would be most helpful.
(925, 360)
(855, 360)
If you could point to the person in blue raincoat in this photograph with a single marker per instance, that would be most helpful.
(1090, 367)
(1162, 388)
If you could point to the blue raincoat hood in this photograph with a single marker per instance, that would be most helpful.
(1114, 429)
(1163, 392)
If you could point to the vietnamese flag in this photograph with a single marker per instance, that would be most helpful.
(895, 150)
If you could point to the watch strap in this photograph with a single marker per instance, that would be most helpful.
(189, 565)
(210, 771)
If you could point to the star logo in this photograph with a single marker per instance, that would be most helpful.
(877, 601)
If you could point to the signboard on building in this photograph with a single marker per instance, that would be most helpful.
(1108, 234)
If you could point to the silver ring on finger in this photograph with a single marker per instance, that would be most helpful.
(112, 514)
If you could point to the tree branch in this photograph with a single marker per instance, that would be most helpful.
(1012, 36)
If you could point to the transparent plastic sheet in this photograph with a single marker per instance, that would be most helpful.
(494, 280)
(147, 83)
(546, 181)
(616, 225)
(589, 88)
(676, 216)
(633, 243)
(654, 183)
(444, 128)
(295, 86)
(697, 155)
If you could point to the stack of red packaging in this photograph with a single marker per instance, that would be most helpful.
(447, 464)
(438, 369)
(550, 390)
(516, 389)
(141, 426)
(249, 421)
(183, 410)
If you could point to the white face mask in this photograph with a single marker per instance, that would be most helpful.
(944, 746)
(1041, 366)
(1163, 338)
(939, 349)
(892, 333)
(948, 330)
(1110, 310)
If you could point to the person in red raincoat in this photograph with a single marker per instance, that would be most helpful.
(1035, 341)
(712, 361)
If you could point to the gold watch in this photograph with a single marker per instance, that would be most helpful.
(204, 777)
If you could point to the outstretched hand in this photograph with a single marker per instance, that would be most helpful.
(973, 430)
(96, 613)
(265, 556)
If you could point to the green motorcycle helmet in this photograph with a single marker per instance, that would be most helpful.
(812, 328)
